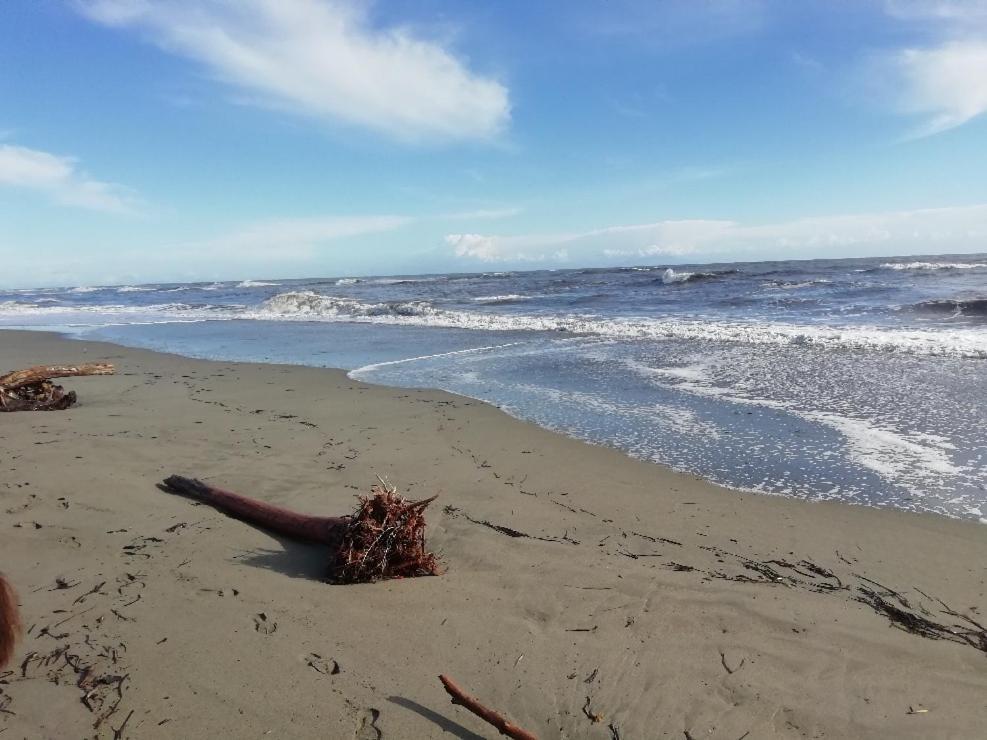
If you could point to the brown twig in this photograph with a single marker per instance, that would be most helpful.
(504, 727)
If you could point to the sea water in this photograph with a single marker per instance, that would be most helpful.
(855, 380)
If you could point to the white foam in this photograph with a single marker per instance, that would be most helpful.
(918, 461)
(348, 281)
(133, 289)
(921, 460)
(361, 371)
(509, 298)
(933, 265)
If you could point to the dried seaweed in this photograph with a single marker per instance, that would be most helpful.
(902, 618)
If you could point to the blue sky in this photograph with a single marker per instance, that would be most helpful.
(222, 139)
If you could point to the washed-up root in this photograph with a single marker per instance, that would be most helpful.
(32, 389)
(384, 538)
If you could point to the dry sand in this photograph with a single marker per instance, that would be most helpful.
(639, 590)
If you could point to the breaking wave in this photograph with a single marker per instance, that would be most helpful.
(256, 284)
(954, 307)
(312, 306)
(671, 277)
(308, 304)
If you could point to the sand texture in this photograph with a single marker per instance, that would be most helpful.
(587, 595)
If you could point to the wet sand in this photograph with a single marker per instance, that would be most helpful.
(581, 584)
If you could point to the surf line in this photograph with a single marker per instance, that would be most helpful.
(374, 366)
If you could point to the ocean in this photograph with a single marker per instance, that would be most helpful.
(857, 380)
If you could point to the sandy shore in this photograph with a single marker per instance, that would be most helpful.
(642, 596)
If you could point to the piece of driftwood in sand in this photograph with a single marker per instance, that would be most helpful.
(504, 726)
(32, 389)
(10, 623)
(384, 537)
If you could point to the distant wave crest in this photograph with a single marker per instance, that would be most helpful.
(933, 265)
(497, 299)
(257, 284)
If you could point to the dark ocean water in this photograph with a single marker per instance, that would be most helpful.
(857, 380)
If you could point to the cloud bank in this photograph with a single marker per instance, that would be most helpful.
(324, 60)
(945, 230)
(273, 248)
(60, 179)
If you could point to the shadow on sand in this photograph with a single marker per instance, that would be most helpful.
(453, 728)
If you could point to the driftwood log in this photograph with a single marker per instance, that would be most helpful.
(32, 389)
(384, 537)
(504, 726)
(10, 624)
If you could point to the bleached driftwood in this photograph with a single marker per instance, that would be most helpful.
(32, 389)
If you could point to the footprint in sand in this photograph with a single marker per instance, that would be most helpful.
(328, 666)
(366, 725)
(264, 624)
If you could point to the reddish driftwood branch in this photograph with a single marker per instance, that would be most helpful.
(10, 623)
(504, 727)
(289, 523)
(32, 389)
(383, 538)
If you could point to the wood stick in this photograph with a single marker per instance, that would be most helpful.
(504, 727)
(41, 373)
(323, 529)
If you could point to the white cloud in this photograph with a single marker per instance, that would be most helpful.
(944, 82)
(60, 179)
(477, 246)
(938, 230)
(947, 11)
(323, 58)
(485, 214)
(948, 84)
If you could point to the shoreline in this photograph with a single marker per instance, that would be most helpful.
(648, 588)
(518, 416)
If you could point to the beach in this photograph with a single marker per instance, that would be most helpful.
(587, 594)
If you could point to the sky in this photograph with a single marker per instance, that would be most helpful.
(153, 141)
